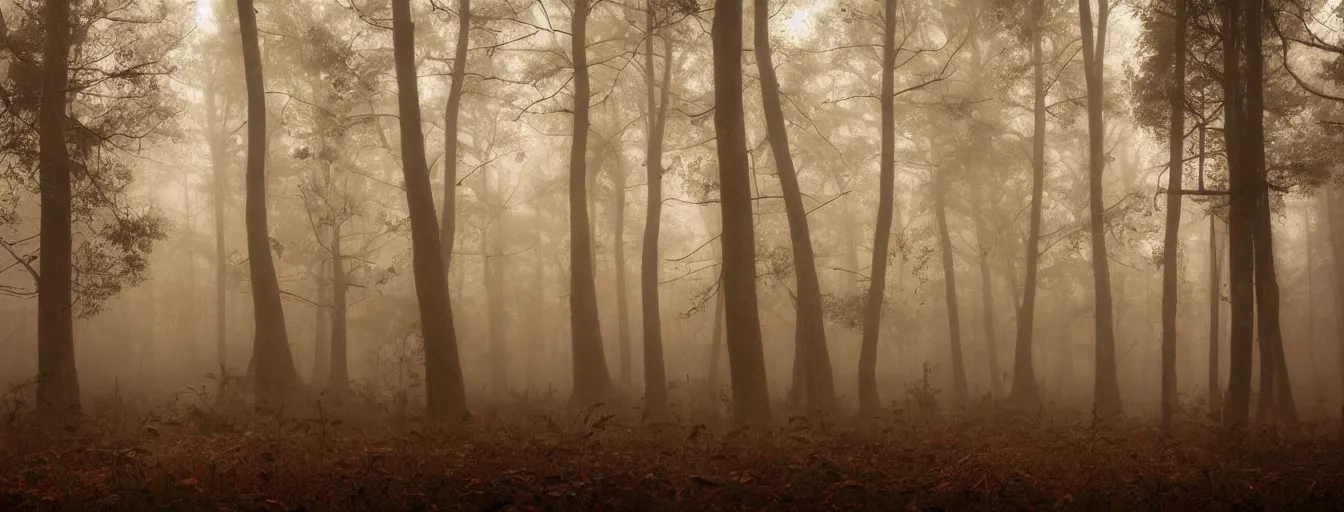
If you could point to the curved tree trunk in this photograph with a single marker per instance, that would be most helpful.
(448, 220)
(1172, 240)
(877, 284)
(57, 379)
(275, 372)
(810, 335)
(959, 388)
(444, 392)
(1025, 391)
(746, 357)
(1107, 390)
(655, 378)
(591, 379)
(1241, 264)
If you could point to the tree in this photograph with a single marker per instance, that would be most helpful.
(872, 315)
(657, 96)
(591, 379)
(451, 114)
(1025, 390)
(275, 374)
(940, 186)
(1107, 390)
(1172, 240)
(812, 362)
(746, 358)
(1236, 410)
(58, 381)
(444, 390)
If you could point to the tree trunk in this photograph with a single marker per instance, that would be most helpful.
(987, 300)
(959, 389)
(275, 372)
(1025, 390)
(810, 335)
(716, 342)
(492, 251)
(655, 377)
(746, 357)
(1215, 306)
(218, 162)
(340, 283)
(1107, 390)
(1241, 214)
(1277, 387)
(591, 379)
(618, 257)
(448, 221)
(869, 402)
(322, 328)
(1332, 208)
(444, 392)
(1172, 240)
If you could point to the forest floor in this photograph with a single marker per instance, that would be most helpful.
(540, 458)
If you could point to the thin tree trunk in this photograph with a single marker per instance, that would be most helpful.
(340, 283)
(448, 220)
(591, 379)
(1215, 306)
(215, 134)
(494, 296)
(1025, 391)
(618, 255)
(959, 388)
(1172, 240)
(987, 300)
(655, 376)
(444, 392)
(270, 347)
(810, 336)
(321, 375)
(1107, 390)
(872, 315)
(1236, 410)
(746, 357)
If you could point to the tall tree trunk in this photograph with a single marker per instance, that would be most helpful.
(655, 377)
(810, 335)
(746, 357)
(716, 342)
(270, 346)
(1274, 383)
(451, 112)
(340, 284)
(1333, 213)
(591, 379)
(1107, 390)
(1215, 307)
(959, 389)
(321, 375)
(987, 300)
(877, 284)
(1172, 240)
(215, 133)
(58, 381)
(492, 267)
(1236, 410)
(444, 392)
(618, 257)
(1025, 391)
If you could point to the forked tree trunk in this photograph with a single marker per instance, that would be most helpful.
(1241, 215)
(987, 300)
(57, 379)
(1172, 240)
(1025, 391)
(869, 402)
(451, 113)
(655, 377)
(810, 330)
(444, 392)
(591, 379)
(275, 374)
(959, 389)
(746, 357)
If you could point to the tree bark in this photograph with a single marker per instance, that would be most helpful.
(1215, 307)
(591, 379)
(444, 392)
(1107, 389)
(448, 221)
(655, 378)
(746, 357)
(492, 249)
(815, 374)
(1025, 390)
(321, 375)
(1236, 410)
(1172, 240)
(959, 388)
(869, 402)
(275, 374)
(1332, 208)
(57, 379)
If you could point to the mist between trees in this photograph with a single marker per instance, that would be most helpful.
(822, 206)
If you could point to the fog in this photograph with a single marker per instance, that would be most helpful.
(165, 293)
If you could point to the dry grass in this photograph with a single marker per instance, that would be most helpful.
(189, 458)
